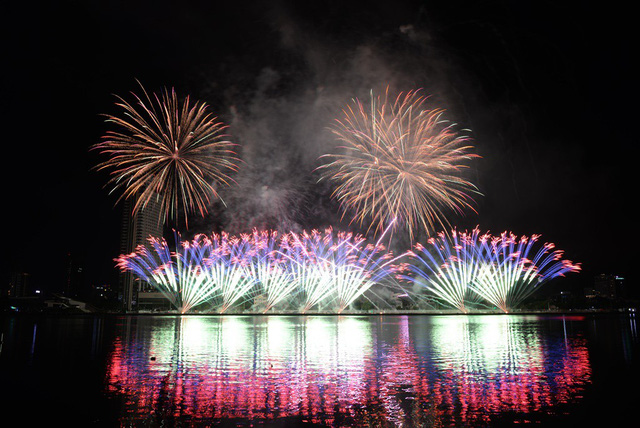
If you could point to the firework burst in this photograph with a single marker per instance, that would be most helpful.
(337, 268)
(399, 160)
(178, 275)
(514, 269)
(449, 265)
(462, 267)
(268, 268)
(309, 256)
(263, 269)
(166, 151)
(226, 265)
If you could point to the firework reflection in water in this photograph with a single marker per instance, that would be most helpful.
(440, 371)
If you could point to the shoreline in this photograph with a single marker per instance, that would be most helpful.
(434, 312)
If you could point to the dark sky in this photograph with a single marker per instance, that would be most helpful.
(545, 88)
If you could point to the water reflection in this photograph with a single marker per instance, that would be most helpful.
(412, 371)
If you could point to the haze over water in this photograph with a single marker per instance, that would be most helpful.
(323, 370)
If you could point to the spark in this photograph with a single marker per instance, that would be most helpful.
(501, 270)
(164, 151)
(399, 160)
(327, 269)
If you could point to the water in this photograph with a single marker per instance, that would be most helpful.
(485, 370)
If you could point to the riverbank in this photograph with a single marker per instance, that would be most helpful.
(65, 306)
(446, 312)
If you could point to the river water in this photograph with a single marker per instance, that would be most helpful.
(337, 371)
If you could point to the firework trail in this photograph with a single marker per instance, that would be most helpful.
(153, 265)
(399, 160)
(329, 269)
(168, 152)
(503, 270)
(196, 282)
(514, 269)
(227, 265)
(309, 256)
(336, 268)
(178, 275)
(268, 268)
(357, 265)
(449, 265)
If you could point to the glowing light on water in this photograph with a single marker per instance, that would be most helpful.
(234, 338)
(465, 371)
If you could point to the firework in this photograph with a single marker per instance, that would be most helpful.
(337, 268)
(269, 269)
(264, 267)
(356, 266)
(449, 265)
(399, 160)
(501, 270)
(514, 269)
(309, 260)
(153, 265)
(227, 265)
(197, 285)
(166, 151)
(178, 275)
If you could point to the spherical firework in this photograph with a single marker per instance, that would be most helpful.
(399, 160)
(166, 151)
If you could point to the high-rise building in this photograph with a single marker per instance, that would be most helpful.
(136, 229)
(608, 286)
(19, 284)
(74, 282)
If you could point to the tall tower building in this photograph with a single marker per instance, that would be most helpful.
(19, 285)
(136, 229)
(74, 284)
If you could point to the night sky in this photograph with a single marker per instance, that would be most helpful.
(546, 90)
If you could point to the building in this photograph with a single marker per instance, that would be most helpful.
(136, 229)
(19, 285)
(607, 287)
(74, 281)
